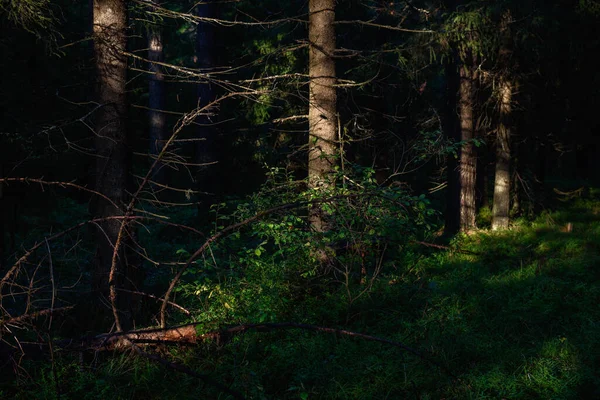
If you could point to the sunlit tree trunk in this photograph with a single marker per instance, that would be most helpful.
(156, 100)
(322, 115)
(112, 160)
(468, 153)
(501, 207)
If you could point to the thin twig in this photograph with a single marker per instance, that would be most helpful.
(232, 228)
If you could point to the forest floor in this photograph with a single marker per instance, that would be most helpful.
(512, 315)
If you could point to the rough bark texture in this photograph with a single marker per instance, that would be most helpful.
(468, 154)
(112, 159)
(322, 116)
(206, 149)
(501, 207)
(156, 94)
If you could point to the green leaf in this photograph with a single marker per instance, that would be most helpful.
(182, 252)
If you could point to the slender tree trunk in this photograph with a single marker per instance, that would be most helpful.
(206, 149)
(156, 103)
(501, 208)
(468, 153)
(322, 114)
(516, 184)
(112, 158)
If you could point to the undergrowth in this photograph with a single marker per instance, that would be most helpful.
(512, 314)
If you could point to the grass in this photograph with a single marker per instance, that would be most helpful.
(513, 314)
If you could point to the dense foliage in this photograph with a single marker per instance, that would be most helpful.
(184, 195)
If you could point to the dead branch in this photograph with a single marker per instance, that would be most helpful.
(186, 120)
(22, 318)
(177, 306)
(442, 247)
(381, 26)
(232, 228)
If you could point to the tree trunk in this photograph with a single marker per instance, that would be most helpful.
(322, 115)
(468, 153)
(156, 101)
(206, 149)
(500, 210)
(501, 207)
(112, 158)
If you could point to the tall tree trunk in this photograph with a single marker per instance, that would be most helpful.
(156, 102)
(516, 184)
(112, 158)
(501, 207)
(322, 115)
(468, 153)
(206, 149)
(500, 210)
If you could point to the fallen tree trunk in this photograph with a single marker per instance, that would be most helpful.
(188, 334)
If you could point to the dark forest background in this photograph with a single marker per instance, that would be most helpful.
(299, 199)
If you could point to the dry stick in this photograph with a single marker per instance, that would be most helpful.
(182, 123)
(35, 247)
(81, 224)
(15, 266)
(52, 282)
(24, 257)
(189, 17)
(228, 229)
(21, 318)
(185, 311)
(42, 182)
(381, 26)
(28, 253)
(442, 247)
(54, 371)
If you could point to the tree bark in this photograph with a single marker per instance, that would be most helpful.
(468, 152)
(112, 153)
(156, 100)
(501, 207)
(322, 114)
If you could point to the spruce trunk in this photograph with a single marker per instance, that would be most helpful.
(322, 115)
(468, 153)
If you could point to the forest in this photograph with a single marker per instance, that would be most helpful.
(299, 199)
